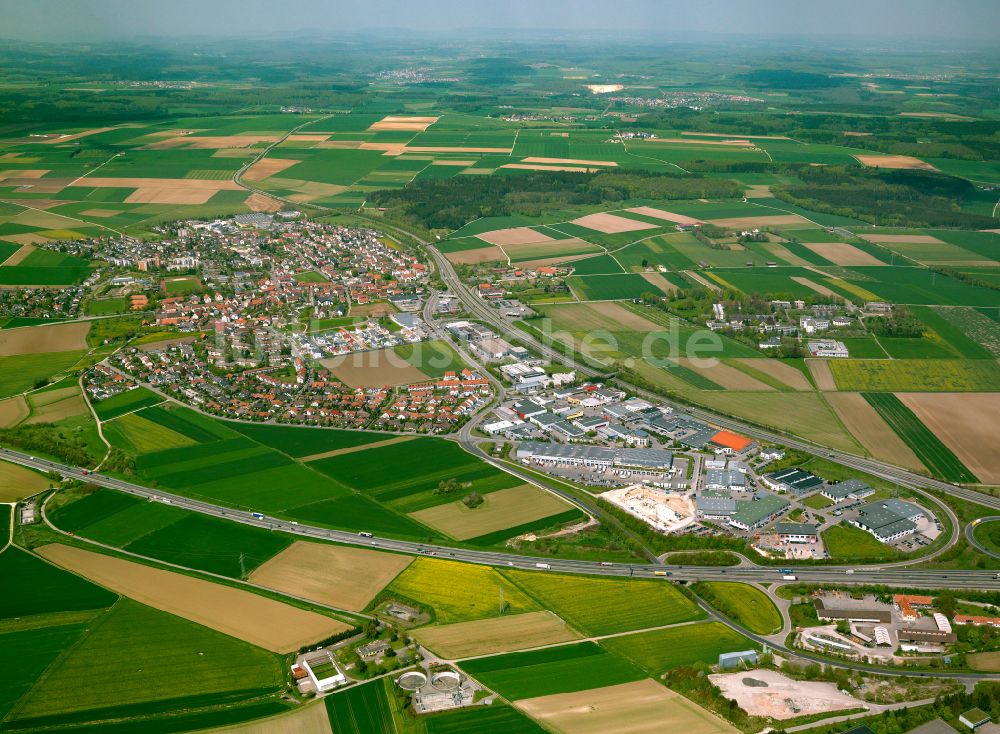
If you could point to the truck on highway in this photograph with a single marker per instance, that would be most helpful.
(662, 573)
(790, 577)
(543, 565)
(257, 515)
(365, 535)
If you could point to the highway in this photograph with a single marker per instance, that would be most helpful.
(877, 468)
(917, 578)
(970, 535)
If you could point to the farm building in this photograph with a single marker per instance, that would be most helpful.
(753, 514)
(889, 519)
(853, 489)
(841, 606)
(794, 481)
(796, 532)
(908, 604)
(977, 620)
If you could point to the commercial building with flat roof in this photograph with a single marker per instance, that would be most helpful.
(853, 489)
(796, 532)
(889, 519)
(753, 514)
(794, 481)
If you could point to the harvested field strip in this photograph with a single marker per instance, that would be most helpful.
(311, 718)
(866, 425)
(603, 606)
(611, 224)
(505, 508)
(642, 707)
(780, 371)
(13, 411)
(822, 290)
(937, 457)
(263, 622)
(42, 339)
(501, 634)
(354, 449)
(16, 482)
(821, 374)
(342, 577)
(841, 253)
(720, 373)
(853, 288)
(962, 421)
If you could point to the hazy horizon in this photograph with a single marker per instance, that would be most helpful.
(95, 20)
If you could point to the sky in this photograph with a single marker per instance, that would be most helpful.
(68, 20)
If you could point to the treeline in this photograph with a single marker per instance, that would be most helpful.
(450, 203)
(46, 438)
(901, 198)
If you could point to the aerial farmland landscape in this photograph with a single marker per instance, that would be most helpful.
(436, 367)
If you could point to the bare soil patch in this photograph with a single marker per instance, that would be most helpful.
(28, 238)
(514, 236)
(500, 634)
(894, 161)
(169, 195)
(732, 142)
(613, 313)
(22, 173)
(659, 281)
(452, 162)
(966, 424)
(373, 369)
(871, 430)
(821, 374)
(450, 149)
(782, 697)
(159, 183)
(401, 122)
(821, 289)
(505, 508)
(261, 203)
(543, 261)
(64, 337)
(758, 191)
(100, 213)
(479, 255)
(16, 482)
(703, 281)
(642, 707)
(841, 253)
(783, 253)
(209, 142)
(372, 309)
(12, 411)
(779, 371)
(55, 405)
(724, 135)
(611, 224)
(570, 161)
(267, 167)
(75, 136)
(340, 576)
(985, 661)
(722, 374)
(765, 221)
(649, 211)
(256, 619)
(355, 449)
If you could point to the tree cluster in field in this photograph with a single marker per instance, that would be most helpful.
(473, 500)
(899, 322)
(450, 486)
(450, 203)
(48, 438)
(899, 198)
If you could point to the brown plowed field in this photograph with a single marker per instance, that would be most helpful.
(821, 374)
(841, 253)
(514, 236)
(866, 425)
(610, 224)
(373, 369)
(256, 619)
(966, 423)
(340, 576)
(728, 377)
(649, 211)
(779, 371)
(45, 338)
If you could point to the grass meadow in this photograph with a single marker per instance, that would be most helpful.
(659, 650)
(749, 607)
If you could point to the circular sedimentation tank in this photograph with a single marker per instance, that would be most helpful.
(446, 680)
(412, 681)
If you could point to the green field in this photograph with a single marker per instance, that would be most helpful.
(24, 656)
(544, 672)
(301, 441)
(42, 588)
(24, 371)
(847, 541)
(611, 287)
(126, 402)
(137, 660)
(660, 650)
(603, 606)
(496, 717)
(136, 435)
(364, 709)
(749, 607)
(937, 457)
(433, 358)
(459, 592)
